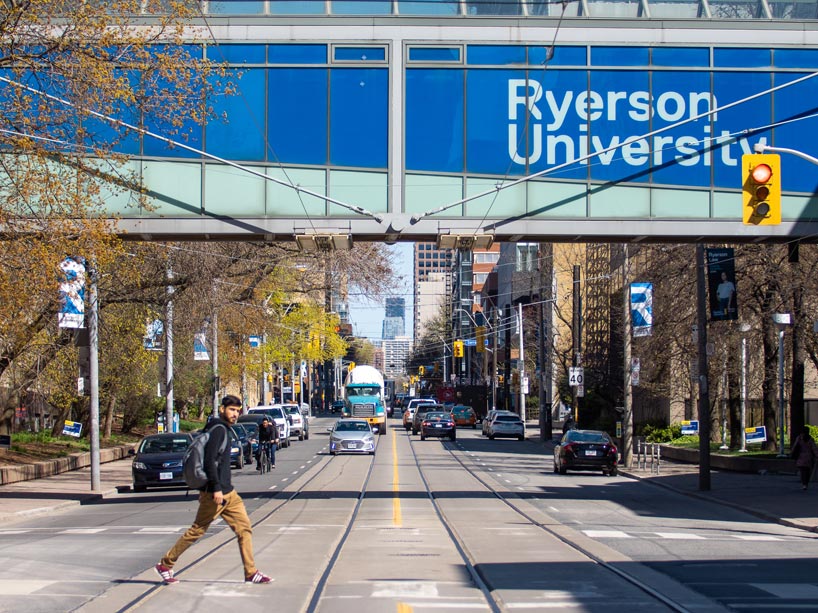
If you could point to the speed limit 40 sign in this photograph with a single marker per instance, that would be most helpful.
(576, 376)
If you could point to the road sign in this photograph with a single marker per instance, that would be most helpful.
(72, 428)
(470, 342)
(758, 434)
(690, 427)
(576, 376)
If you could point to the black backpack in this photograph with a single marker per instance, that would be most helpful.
(193, 463)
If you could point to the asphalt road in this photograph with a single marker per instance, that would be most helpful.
(579, 530)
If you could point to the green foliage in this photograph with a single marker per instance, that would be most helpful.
(189, 425)
(813, 431)
(662, 434)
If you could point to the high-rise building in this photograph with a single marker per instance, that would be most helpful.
(430, 263)
(394, 322)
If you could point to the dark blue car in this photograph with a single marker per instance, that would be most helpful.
(157, 460)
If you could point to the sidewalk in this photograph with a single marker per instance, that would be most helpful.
(774, 497)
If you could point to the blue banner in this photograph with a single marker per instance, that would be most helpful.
(72, 293)
(690, 427)
(200, 347)
(758, 434)
(642, 308)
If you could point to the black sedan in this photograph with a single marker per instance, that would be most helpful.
(586, 450)
(439, 424)
(157, 460)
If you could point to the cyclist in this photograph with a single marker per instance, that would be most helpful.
(267, 439)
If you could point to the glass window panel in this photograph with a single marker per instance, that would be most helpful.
(494, 55)
(236, 54)
(360, 54)
(297, 7)
(616, 110)
(425, 192)
(791, 104)
(493, 7)
(680, 56)
(680, 156)
(615, 8)
(236, 7)
(238, 132)
(675, 8)
(434, 120)
(550, 8)
(563, 56)
(297, 54)
(427, 7)
(233, 192)
(736, 9)
(298, 120)
(363, 7)
(793, 9)
(741, 58)
(619, 56)
(359, 117)
(729, 87)
(434, 54)
(795, 58)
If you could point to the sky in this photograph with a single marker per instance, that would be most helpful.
(367, 315)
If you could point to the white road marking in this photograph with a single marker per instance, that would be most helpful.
(272, 487)
(415, 589)
(303, 466)
(756, 537)
(5, 532)
(680, 536)
(555, 509)
(22, 587)
(160, 529)
(82, 531)
(607, 534)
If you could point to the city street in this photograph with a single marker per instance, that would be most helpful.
(424, 525)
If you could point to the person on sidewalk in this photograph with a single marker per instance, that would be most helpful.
(805, 452)
(267, 433)
(218, 499)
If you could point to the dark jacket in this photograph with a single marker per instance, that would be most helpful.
(804, 451)
(268, 434)
(217, 467)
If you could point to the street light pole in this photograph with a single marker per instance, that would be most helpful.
(781, 321)
(745, 328)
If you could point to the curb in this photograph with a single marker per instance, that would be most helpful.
(48, 468)
(56, 508)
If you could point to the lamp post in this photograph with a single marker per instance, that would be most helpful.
(781, 320)
(744, 328)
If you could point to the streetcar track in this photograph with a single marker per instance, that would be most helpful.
(675, 606)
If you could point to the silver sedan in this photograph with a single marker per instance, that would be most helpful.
(351, 436)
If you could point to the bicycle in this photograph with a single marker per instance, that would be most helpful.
(264, 463)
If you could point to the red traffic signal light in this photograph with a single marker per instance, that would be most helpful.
(761, 189)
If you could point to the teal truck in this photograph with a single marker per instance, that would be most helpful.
(364, 396)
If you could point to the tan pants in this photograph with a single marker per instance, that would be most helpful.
(233, 513)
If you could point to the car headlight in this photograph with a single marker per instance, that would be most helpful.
(234, 450)
(139, 466)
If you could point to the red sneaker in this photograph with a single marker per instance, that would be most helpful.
(166, 574)
(258, 577)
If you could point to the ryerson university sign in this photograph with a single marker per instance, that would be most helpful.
(549, 111)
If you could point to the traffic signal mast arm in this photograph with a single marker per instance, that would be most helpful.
(759, 148)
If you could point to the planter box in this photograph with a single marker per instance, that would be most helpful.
(47, 468)
(735, 463)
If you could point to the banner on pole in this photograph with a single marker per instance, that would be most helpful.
(200, 347)
(72, 293)
(154, 332)
(721, 284)
(642, 308)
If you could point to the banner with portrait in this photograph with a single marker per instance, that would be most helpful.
(721, 284)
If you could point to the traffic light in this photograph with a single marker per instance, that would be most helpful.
(458, 349)
(762, 189)
(351, 366)
(421, 370)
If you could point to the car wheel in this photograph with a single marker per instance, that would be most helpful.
(474, 426)
(556, 468)
(520, 438)
(614, 471)
(422, 437)
(240, 461)
(300, 436)
(563, 470)
(491, 437)
(453, 437)
(306, 435)
(414, 431)
(139, 488)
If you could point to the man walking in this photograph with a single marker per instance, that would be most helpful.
(218, 499)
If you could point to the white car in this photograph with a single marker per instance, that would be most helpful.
(299, 423)
(507, 424)
(413, 403)
(280, 417)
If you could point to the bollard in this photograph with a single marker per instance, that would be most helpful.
(658, 457)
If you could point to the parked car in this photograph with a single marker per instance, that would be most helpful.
(588, 450)
(508, 425)
(246, 445)
(438, 423)
(420, 411)
(351, 436)
(157, 460)
(274, 413)
(464, 416)
(299, 424)
(236, 449)
(251, 428)
(337, 406)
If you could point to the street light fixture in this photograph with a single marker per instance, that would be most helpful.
(464, 241)
(781, 320)
(323, 242)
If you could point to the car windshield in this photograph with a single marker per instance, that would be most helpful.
(507, 418)
(250, 428)
(436, 415)
(352, 426)
(578, 436)
(461, 410)
(164, 444)
(293, 410)
(353, 390)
